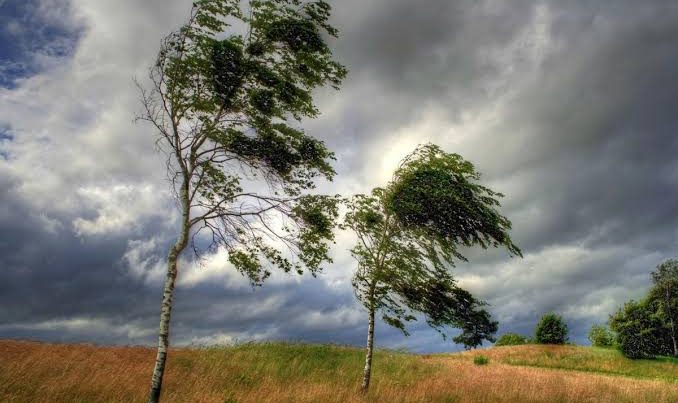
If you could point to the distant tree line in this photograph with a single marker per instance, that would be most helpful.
(551, 329)
(644, 328)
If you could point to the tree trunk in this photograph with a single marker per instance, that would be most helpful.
(368, 357)
(673, 337)
(163, 337)
(167, 296)
(669, 312)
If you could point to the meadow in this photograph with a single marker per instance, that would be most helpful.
(284, 372)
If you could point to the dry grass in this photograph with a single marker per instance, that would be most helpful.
(36, 372)
(591, 359)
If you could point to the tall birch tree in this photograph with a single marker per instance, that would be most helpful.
(409, 234)
(226, 96)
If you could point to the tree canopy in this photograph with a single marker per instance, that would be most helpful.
(551, 329)
(226, 107)
(436, 195)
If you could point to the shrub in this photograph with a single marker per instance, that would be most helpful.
(551, 329)
(511, 339)
(601, 336)
(480, 360)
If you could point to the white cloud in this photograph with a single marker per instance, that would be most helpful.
(143, 261)
(119, 208)
(335, 319)
(584, 283)
(73, 123)
(86, 325)
(227, 338)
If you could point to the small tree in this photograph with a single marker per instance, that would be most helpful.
(601, 336)
(551, 329)
(226, 108)
(511, 339)
(408, 235)
(665, 294)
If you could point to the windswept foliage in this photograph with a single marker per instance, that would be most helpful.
(225, 108)
(437, 195)
(408, 237)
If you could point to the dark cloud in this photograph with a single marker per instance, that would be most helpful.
(600, 146)
(566, 107)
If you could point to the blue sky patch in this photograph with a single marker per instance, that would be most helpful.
(5, 136)
(26, 33)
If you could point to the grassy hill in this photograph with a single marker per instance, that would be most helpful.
(278, 372)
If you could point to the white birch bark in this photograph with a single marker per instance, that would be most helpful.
(367, 373)
(167, 297)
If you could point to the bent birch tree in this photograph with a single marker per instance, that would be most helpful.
(408, 236)
(226, 109)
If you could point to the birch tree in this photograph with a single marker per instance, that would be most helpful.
(226, 96)
(409, 234)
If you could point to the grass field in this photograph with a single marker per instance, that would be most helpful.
(278, 372)
(577, 358)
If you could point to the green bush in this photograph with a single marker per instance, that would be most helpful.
(640, 331)
(601, 336)
(480, 360)
(551, 329)
(511, 339)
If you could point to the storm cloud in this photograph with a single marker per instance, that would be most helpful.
(568, 108)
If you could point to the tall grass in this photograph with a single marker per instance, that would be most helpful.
(280, 372)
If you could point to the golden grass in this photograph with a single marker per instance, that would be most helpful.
(591, 359)
(37, 372)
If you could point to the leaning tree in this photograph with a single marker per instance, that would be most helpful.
(226, 107)
(409, 234)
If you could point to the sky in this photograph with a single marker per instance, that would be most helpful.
(566, 107)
